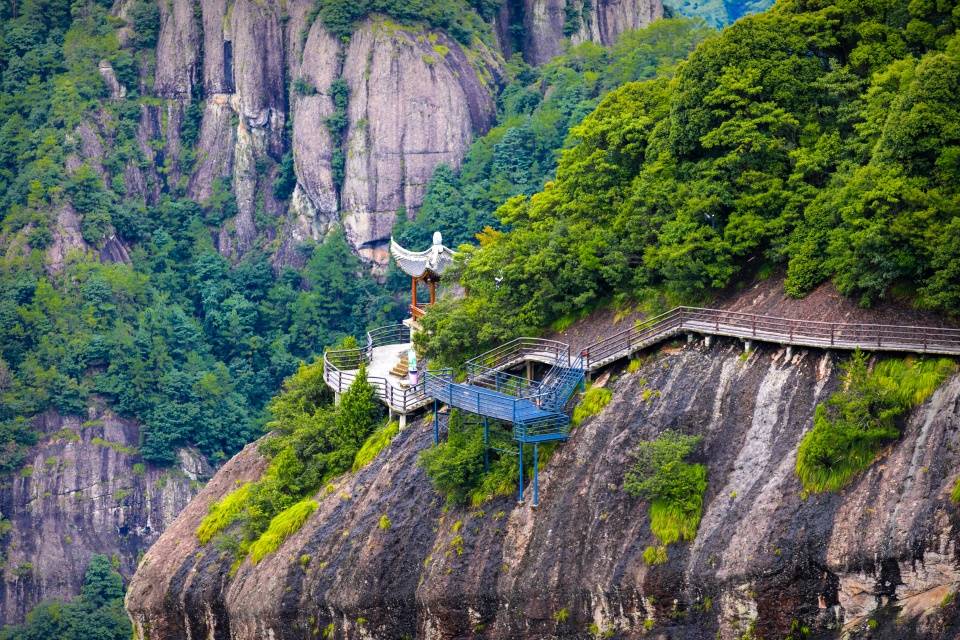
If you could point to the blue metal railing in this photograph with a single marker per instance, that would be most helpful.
(536, 409)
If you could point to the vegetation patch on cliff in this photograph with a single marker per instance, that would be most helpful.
(313, 441)
(674, 488)
(851, 428)
(223, 513)
(456, 466)
(282, 526)
(377, 442)
(461, 19)
(591, 404)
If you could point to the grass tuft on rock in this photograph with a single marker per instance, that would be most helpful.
(223, 513)
(675, 489)
(855, 423)
(282, 526)
(377, 442)
(592, 403)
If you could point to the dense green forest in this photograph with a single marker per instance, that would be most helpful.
(97, 614)
(182, 340)
(820, 137)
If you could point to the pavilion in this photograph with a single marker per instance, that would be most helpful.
(423, 266)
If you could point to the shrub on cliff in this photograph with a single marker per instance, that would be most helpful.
(675, 489)
(855, 423)
(456, 468)
(313, 441)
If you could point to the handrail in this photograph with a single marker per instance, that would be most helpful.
(339, 366)
(487, 371)
(816, 333)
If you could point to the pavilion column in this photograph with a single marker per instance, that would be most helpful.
(433, 291)
(413, 291)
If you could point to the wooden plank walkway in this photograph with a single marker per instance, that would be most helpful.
(484, 394)
(785, 331)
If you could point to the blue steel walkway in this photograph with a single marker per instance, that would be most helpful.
(535, 409)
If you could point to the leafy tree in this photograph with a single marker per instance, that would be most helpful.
(97, 614)
(145, 20)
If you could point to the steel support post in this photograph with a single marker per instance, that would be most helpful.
(520, 491)
(536, 479)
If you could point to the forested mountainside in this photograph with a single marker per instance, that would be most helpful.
(193, 198)
(708, 490)
(818, 138)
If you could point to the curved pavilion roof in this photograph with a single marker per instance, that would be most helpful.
(434, 261)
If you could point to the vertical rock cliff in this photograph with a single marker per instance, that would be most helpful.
(548, 24)
(83, 492)
(263, 73)
(767, 561)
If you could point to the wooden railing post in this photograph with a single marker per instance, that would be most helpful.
(832, 327)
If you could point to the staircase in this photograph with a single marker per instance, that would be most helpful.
(402, 368)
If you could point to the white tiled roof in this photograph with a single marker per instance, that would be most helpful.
(434, 260)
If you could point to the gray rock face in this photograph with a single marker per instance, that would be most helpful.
(549, 23)
(81, 494)
(178, 50)
(66, 237)
(416, 100)
(766, 557)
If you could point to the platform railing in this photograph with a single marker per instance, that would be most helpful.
(340, 366)
(441, 386)
(811, 333)
(517, 351)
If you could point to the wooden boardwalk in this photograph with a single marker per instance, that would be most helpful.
(785, 331)
(504, 397)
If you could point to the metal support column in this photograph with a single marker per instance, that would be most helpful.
(486, 444)
(436, 422)
(520, 492)
(536, 480)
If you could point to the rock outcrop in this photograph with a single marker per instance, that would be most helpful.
(548, 24)
(767, 559)
(82, 492)
(417, 98)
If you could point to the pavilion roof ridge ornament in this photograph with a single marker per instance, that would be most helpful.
(419, 264)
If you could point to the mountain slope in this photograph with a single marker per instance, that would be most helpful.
(767, 559)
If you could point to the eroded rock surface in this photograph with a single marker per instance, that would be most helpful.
(767, 559)
(548, 24)
(82, 492)
(417, 98)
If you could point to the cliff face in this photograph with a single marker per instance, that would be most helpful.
(548, 23)
(416, 98)
(766, 559)
(80, 493)
(263, 74)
